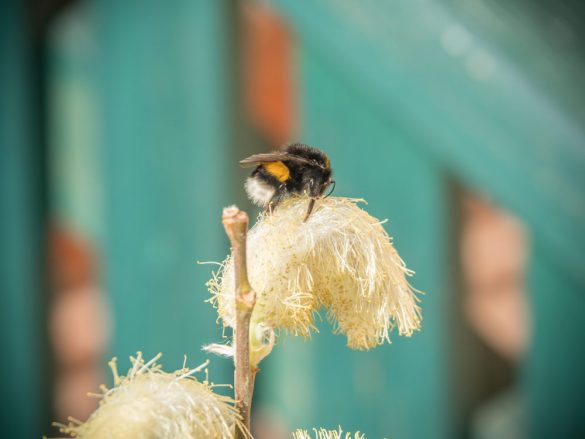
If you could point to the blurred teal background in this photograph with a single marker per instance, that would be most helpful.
(121, 125)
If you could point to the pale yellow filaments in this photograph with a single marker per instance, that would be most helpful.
(148, 403)
(326, 434)
(341, 259)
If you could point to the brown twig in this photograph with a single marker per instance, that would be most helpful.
(235, 223)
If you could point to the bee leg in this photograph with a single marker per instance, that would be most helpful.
(309, 210)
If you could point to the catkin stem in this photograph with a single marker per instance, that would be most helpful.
(235, 223)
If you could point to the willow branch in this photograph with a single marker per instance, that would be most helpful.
(235, 223)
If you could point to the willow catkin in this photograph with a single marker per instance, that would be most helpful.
(341, 259)
(148, 403)
(322, 433)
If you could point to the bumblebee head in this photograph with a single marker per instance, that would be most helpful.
(313, 167)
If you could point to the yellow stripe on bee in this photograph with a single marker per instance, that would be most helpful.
(327, 163)
(278, 169)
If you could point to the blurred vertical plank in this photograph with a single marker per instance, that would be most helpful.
(23, 366)
(268, 73)
(386, 391)
(72, 123)
(165, 139)
(553, 378)
(78, 317)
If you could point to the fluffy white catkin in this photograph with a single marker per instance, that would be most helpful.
(148, 403)
(340, 259)
(322, 433)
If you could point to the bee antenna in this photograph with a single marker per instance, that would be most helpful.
(332, 189)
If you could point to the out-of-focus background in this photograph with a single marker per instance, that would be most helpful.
(462, 121)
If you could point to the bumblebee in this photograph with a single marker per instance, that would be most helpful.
(297, 170)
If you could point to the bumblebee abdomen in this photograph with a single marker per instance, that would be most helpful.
(259, 191)
(264, 185)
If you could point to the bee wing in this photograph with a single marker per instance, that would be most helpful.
(270, 157)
